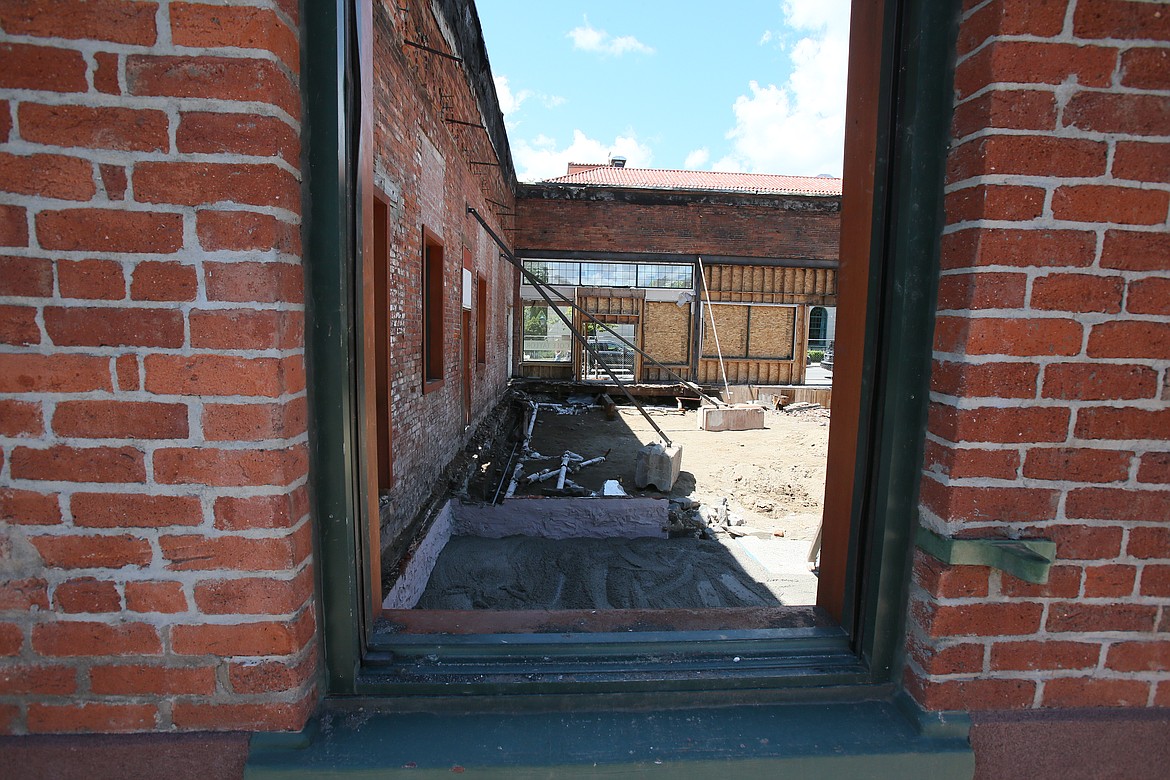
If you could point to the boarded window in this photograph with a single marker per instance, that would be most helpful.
(746, 331)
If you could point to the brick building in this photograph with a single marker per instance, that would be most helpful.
(188, 193)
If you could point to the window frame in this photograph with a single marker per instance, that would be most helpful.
(433, 315)
(856, 660)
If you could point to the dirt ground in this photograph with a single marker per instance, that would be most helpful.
(774, 478)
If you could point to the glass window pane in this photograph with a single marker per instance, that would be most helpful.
(665, 275)
(609, 275)
(546, 337)
(555, 272)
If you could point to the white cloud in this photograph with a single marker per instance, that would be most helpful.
(510, 101)
(540, 159)
(798, 128)
(697, 158)
(589, 38)
(766, 37)
(552, 101)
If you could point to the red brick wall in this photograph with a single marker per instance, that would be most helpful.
(1052, 348)
(421, 165)
(747, 226)
(155, 540)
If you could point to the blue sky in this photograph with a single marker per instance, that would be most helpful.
(741, 85)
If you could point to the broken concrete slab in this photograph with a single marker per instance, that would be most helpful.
(565, 518)
(658, 466)
(741, 417)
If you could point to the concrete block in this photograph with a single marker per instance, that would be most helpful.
(741, 417)
(658, 466)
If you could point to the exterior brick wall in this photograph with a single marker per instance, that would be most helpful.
(1052, 352)
(607, 220)
(422, 166)
(155, 544)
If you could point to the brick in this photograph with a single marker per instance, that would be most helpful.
(1078, 292)
(221, 133)
(47, 68)
(1103, 422)
(1147, 543)
(993, 201)
(141, 679)
(1117, 205)
(1007, 425)
(219, 26)
(105, 77)
(120, 419)
(1138, 657)
(964, 658)
(76, 638)
(1120, 19)
(1064, 581)
(1011, 17)
(1006, 336)
(79, 464)
(1130, 339)
(114, 181)
(1156, 581)
(20, 418)
(87, 594)
(216, 78)
(211, 375)
(1027, 155)
(279, 511)
(1100, 503)
(13, 225)
(1077, 465)
(985, 619)
(26, 277)
(47, 175)
(229, 468)
(1129, 114)
(240, 329)
(38, 680)
(27, 507)
(1072, 616)
(1043, 655)
(255, 282)
(245, 230)
(1140, 161)
(108, 230)
(91, 279)
(162, 597)
(983, 290)
(1149, 296)
(978, 694)
(253, 595)
(11, 639)
(91, 717)
(126, 372)
(129, 510)
(985, 380)
(271, 676)
(192, 552)
(1001, 504)
(164, 281)
(197, 183)
(23, 595)
(114, 327)
(942, 580)
(189, 715)
(965, 462)
(1146, 68)
(1131, 251)
(18, 325)
(1154, 467)
(1099, 382)
(118, 21)
(243, 639)
(1109, 581)
(126, 129)
(254, 422)
(5, 121)
(1014, 109)
(1092, 692)
(93, 552)
(1034, 62)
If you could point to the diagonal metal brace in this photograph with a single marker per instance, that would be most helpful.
(1028, 559)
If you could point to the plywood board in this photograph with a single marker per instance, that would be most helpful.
(666, 332)
(731, 325)
(772, 331)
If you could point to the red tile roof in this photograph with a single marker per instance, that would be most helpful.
(716, 181)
